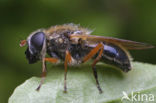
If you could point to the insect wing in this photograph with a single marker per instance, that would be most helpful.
(125, 43)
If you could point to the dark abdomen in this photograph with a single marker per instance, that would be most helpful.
(116, 56)
(112, 55)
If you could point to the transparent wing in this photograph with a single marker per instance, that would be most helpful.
(125, 43)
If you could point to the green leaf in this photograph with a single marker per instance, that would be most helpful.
(82, 86)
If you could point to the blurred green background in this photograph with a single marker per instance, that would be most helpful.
(127, 19)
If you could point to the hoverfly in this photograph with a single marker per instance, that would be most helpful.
(73, 44)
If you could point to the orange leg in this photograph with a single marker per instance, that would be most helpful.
(92, 52)
(52, 60)
(44, 70)
(99, 48)
(68, 59)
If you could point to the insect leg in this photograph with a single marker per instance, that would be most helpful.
(52, 60)
(67, 60)
(44, 70)
(99, 48)
(94, 69)
(92, 52)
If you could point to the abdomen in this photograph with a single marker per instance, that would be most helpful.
(116, 56)
(112, 54)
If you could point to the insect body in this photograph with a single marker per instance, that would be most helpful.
(73, 44)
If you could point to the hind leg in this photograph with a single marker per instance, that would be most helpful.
(99, 48)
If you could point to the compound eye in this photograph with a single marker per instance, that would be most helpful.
(36, 41)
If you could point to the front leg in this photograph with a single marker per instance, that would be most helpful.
(44, 73)
(68, 59)
(44, 70)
